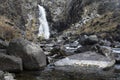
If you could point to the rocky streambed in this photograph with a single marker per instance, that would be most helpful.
(82, 58)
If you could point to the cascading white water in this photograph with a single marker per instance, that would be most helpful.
(43, 27)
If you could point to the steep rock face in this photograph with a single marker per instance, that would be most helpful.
(100, 17)
(12, 10)
(57, 8)
(56, 12)
(106, 24)
(30, 15)
(61, 14)
(22, 14)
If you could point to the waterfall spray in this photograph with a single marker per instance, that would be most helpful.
(43, 26)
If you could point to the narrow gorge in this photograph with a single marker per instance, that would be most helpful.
(59, 39)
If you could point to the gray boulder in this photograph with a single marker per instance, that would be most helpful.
(103, 50)
(3, 44)
(105, 43)
(32, 55)
(9, 76)
(3, 51)
(86, 59)
(107, 51)
(88, 40)
(1, 75)
(10, 63)
(6, 76)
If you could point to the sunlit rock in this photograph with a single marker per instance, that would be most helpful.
(86, 59)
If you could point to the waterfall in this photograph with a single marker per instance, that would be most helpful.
(43, 24)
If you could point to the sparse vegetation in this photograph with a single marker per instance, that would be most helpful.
(103, 26)
(7, 29)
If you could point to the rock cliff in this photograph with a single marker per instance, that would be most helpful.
(61, 15)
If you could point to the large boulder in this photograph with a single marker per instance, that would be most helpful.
(32, 55)
(10, 63)
(86, 59)
(88, 40)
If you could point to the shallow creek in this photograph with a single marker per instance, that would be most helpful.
(68, 74)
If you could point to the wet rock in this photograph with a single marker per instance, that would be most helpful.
(47, 53)
(116, 52)
(9, 76)
(3, 44)
(47, 45)
(103, 50)
(3, 51)
(116, 44)
(47, 48)
(93, 38)
(71, 50)
(106, 51)
(10, 63)
(32, 55)
(83, 49)
(117, 68)
(86, 59)
(57, 53)
(1, 75)
(74, 44)
(105, 43)
(71, 47)
(82, 39)
(88, 40)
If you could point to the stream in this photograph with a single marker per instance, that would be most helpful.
(111, 74)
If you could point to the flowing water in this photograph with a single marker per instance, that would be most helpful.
(84, 74)
(43, 27)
